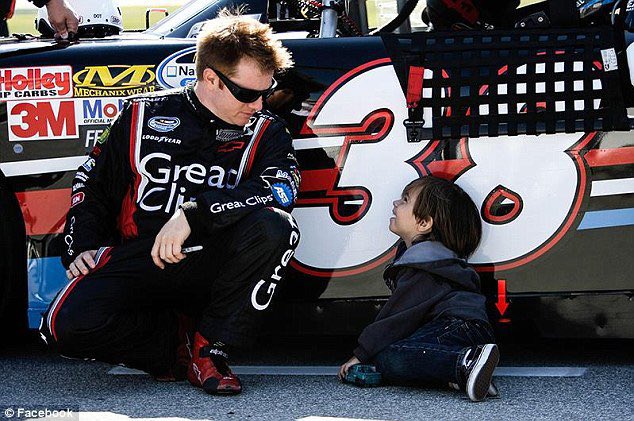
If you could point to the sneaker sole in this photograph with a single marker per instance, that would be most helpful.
(482, 373)
(223, 391)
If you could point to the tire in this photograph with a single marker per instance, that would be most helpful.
(13, 272)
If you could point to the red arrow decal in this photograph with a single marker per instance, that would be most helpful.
(502, 304)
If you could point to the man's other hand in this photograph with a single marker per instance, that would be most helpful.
(82, 264)
(62, 18)
(170, 239)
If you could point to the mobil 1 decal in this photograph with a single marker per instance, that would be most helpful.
(177, 70)
(529, 189)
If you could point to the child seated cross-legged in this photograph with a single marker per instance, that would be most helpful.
(434, 329)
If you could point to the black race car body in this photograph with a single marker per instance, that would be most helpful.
(557, 209)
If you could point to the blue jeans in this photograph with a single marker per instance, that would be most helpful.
(432, 355)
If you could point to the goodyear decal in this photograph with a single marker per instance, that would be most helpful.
(177, 70)
(114, 80)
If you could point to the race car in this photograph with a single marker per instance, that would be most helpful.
(532, 123)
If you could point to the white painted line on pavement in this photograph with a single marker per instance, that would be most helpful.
(540, 371)
(319, 370)
(316, 418)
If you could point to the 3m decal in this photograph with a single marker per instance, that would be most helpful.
(36, 82)
(177, 70)
(163, 124)
(114, 80)
(35, 120)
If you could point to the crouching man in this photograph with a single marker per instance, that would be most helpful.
(180, 219)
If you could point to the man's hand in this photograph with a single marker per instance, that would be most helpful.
(343, 370)
(169, 240)
(82, 264)
(62, 18)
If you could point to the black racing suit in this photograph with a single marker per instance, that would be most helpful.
(236, 185)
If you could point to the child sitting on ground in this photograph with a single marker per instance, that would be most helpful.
(434, 328)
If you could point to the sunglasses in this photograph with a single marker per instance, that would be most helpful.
(243, 94)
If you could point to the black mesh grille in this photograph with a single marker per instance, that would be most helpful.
(493, 83)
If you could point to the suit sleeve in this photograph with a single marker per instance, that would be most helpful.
(97, 192)
(272, 180)
(405, 311)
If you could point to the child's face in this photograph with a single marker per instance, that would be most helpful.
(404, 223)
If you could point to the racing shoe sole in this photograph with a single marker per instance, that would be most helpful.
(481, 374)
(231, 386)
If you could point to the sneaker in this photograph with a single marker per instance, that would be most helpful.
(210, 371)
(185, 332)
(493, 391)
(478, 367)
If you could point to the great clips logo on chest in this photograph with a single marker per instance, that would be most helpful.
(163, 124)
(36, 82)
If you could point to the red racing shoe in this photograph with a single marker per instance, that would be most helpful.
(210, 370)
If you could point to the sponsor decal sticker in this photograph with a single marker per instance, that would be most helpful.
(282, 194)
(161, 139)
(163, 124)
(98, 110)
(89, 164)
(251, 201)
(91, 133)
(225, 135)
(114, 80)
(177, 70)
(36, 82)
(76, 199)
(35, 120)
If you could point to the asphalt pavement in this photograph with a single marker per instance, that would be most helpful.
(547, 379)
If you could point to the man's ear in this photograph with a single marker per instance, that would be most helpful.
(210, 77)
(425, 225)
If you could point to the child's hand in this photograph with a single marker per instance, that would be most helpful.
(343, 370)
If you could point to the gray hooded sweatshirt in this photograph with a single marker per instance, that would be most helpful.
(427, 281)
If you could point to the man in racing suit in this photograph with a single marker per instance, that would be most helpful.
(183, 209)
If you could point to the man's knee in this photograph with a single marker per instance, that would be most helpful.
(67, 327)
(280, 229)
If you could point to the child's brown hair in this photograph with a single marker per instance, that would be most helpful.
(456, 219)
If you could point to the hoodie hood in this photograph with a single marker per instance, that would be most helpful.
(433, 257)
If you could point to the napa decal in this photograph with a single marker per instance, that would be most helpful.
(36, 82)
(114, 80)
(177, 70)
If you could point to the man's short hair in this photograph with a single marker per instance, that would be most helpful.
(225, 40)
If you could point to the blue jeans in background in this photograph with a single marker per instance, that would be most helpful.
(432, 355)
